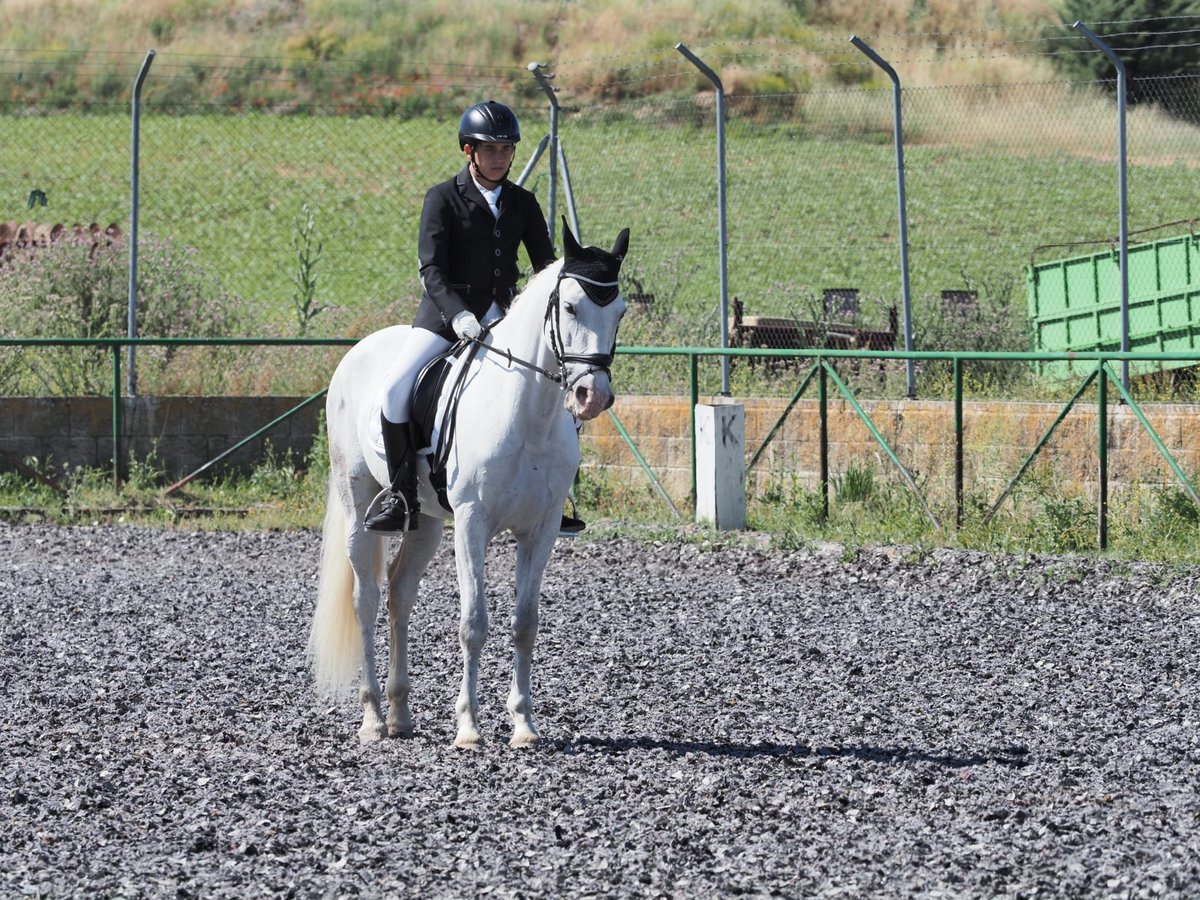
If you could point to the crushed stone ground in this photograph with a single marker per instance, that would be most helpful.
(718, 723)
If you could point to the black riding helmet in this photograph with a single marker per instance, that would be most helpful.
(488, 122)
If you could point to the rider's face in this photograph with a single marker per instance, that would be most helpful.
(492, 160)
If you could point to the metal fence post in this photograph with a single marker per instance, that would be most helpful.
(1102, 447)
(543, 81)
(562, 161)
(722, 243)
(1122, 208)
(693, 399)
(533, 159)
(133, 217)
(116, 416)
(958, 442)
(823, 435)
(898, 129)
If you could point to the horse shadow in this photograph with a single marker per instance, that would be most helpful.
(1014, 756)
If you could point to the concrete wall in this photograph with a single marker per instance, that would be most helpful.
(182, 432)
(186, 432)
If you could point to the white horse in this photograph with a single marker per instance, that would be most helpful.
(511, 464)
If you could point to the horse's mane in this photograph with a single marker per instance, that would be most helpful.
(535, 285)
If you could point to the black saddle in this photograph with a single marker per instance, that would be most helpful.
(431, 382)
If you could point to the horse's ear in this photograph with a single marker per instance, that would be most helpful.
(621, 245)
(570, 245)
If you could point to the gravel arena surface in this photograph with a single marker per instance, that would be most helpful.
(717, 723)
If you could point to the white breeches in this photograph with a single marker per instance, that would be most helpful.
(396, 393)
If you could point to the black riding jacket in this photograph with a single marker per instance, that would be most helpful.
(468, 257)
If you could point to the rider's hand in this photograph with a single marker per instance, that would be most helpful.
(465, 325)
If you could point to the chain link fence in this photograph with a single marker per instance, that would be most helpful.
(1000, 176)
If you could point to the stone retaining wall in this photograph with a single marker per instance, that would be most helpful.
(998, 436)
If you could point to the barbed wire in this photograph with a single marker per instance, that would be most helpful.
(341, 61)
(840, 58)
(284, 68)
(1112, 34)
(1153, 47)
(1149, 19)
(194, 61)
(1060, 31)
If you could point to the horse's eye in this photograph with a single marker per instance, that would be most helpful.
(570, 308)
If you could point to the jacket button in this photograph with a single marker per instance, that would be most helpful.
(497, 251)
(497, 272)
(497, 233)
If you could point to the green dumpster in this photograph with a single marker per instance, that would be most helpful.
(1075, 303)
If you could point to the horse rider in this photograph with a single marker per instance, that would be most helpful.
(471, 228)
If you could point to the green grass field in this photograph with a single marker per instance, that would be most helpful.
(808, 206)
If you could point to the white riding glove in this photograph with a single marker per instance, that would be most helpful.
(465, 325)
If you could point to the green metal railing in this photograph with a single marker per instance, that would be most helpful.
(821, 371)
(115, 345)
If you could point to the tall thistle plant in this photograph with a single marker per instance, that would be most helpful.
(308, 254)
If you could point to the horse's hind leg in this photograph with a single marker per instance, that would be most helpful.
(364, 550)
(404, 578)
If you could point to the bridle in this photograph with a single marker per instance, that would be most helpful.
(601, 293)
(595, 362)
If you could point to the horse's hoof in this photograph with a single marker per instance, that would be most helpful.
(400, 731)
(369, 734)
(524, 737)
(468, 739)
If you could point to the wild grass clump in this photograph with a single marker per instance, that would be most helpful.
(868, 506)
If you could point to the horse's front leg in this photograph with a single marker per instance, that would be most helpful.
(404, 579)
(470, 545)
(532, 556)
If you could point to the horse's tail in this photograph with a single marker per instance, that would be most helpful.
(335, 641)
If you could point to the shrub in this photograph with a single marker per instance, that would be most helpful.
(73, 288)
(992, 323)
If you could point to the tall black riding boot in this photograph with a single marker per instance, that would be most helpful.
(399, 509)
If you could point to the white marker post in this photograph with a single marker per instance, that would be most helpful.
(721, 465)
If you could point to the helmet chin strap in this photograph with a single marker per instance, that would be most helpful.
(481, 176)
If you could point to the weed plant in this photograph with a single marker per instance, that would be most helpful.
(278, 492)
(1153, 523)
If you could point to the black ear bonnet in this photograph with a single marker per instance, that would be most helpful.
(595, 269)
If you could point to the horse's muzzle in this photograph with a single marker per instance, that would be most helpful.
(589, 397)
